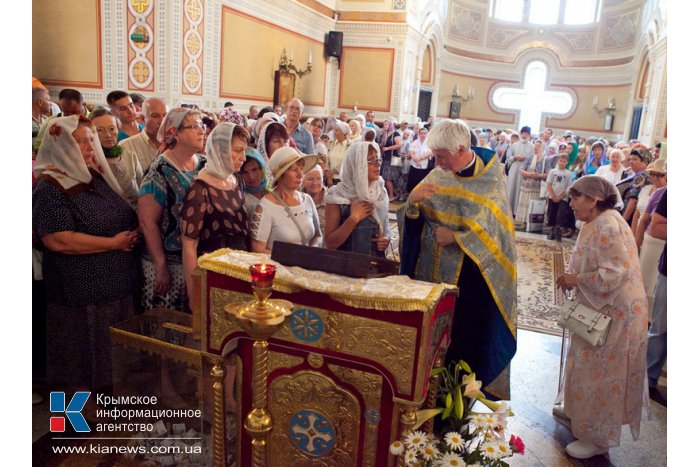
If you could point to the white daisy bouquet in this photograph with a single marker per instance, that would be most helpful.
(469, 438)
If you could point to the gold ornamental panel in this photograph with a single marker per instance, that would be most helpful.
(316, 422)
(277, 360)
(222, 322)
(390, 344)
(370, 386)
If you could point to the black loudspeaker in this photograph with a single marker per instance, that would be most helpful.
(334, 44)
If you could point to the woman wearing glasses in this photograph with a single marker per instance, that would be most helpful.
(160, 200)
(357, 209)
(316, 128)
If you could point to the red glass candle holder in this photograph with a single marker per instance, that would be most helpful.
(262, 274)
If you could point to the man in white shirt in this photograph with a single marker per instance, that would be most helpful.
(420, 153)
(145, 144)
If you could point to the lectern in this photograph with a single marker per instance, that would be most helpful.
(346, 371)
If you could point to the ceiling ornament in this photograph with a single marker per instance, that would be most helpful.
(620, 31)
(502, 37)
(579, 41)
(466, 24)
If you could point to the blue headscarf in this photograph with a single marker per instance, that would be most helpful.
(603, 158)
(256, 156)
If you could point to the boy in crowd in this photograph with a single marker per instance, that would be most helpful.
(558, 181)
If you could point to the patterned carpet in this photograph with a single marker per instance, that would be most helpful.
(539, 264)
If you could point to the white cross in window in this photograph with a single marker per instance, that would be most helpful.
(532, 101)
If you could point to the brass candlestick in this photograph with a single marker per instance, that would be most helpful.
(260, 318)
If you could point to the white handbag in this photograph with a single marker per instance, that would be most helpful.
(396, 161)
(590, 325)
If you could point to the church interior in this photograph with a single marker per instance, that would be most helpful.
(588, 68)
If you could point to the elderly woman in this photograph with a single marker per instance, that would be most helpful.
(656, 171)
(633, 180)
(125, 166)
(160, 201)
(313, 186)
(355, 131)
(90, 270)
(532, 173)
(213, 214)
(255, 181)
(357, 209)
(286, 214)
(391, 144)
(613, 171)
(336, 152)
(650, 247)
(604, 386)
(369, 134)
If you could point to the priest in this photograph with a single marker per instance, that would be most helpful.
(457, 228)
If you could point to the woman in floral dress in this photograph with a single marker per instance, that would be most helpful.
(604, 387)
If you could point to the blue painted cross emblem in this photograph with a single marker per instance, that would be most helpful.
(312, 433)
(306, 325)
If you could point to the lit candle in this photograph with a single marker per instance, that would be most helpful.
(262, 272)
(291, 56)
(310, 57)
(595, 101)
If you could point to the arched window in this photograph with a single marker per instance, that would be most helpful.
(533, 100)
(546, 11)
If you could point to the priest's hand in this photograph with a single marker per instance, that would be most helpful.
(444, 236)
(422, 192)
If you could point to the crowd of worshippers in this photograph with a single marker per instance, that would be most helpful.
(128, 193)
(540, 168)
(155, 188)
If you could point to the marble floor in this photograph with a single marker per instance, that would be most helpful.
(534, 385)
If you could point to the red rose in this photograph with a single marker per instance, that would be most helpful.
(517, 445)
(55, 130)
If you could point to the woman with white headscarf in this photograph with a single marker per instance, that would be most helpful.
(161, 195)
(357, 209)
(336, 152)
(213, 214)
(605, 387)
(355, 131)
(90, 270)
